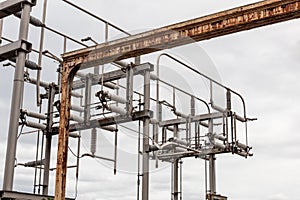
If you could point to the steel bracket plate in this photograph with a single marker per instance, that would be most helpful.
(9, 7)
(11, 50)
(142, 114)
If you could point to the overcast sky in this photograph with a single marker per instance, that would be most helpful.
(261, 64)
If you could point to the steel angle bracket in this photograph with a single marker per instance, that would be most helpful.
(11, 50)
(9, 7)
(140, 115)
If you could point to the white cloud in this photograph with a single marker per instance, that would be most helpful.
(278, 196)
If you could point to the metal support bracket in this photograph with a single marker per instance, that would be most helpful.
(11, 50)
(13, 6)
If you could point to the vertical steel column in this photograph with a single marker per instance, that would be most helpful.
(87, 99)
(175, 171)
(51, 95)
(1, 29)
(38, 74)
(68, 73)
(129, 89)
(146, 123)
(16, 103)
(212, 167)
(212, 174)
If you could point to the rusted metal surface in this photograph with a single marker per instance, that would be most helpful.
(203, 28)
(68, 74)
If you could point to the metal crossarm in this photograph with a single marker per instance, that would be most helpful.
(202, 28)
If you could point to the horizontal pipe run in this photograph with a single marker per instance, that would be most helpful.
(242, 146)
(220, 137)
(74, 135)
(116, 109)
(109, 128)
(96, 17)
(154, 77)
(178, 141)
(35, 125)
(111, 85)
(32, 20)
(76, 118)
(71, 166)
(34, 114)
(28, 64)
(42, 83)
(99, 157)
(114, 97)
(179, 114)
(76, 94)
(77, 108)
(219, 146)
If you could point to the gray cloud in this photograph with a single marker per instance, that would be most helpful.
(261, 64)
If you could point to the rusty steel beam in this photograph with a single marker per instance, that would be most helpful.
(203, 28)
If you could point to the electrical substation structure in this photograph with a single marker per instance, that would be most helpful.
(184, 134)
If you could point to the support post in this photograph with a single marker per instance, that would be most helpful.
(16, 103)
(175, 174)
(87, 98)
(146, 123)
(129, 90)
(212, 174)
(212, 167)
(68, 73)
(51, 95)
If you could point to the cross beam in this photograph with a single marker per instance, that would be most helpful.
(203, 28)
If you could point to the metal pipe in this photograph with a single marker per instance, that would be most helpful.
(48, 135)
(40, 58)
(1, 30)
(115, 152)
(33, 20)
(212, 168)
(76, 118)
(17, 95)
(116, 109)
(129, 90)
(34, 115)
(35, 125)
(207, 77)
(77, 108)
(65, 36)
(146, 123)
(96, 17)
(42, 83)
(87, 102)
(139, 154)
(114, 97)
(175, 166)
(93, 141)
(157, 66)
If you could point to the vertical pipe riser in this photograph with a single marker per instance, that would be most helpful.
(48, 139)
(146, 123)
(16, 103)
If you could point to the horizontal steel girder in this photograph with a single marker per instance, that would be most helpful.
(203, 28)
